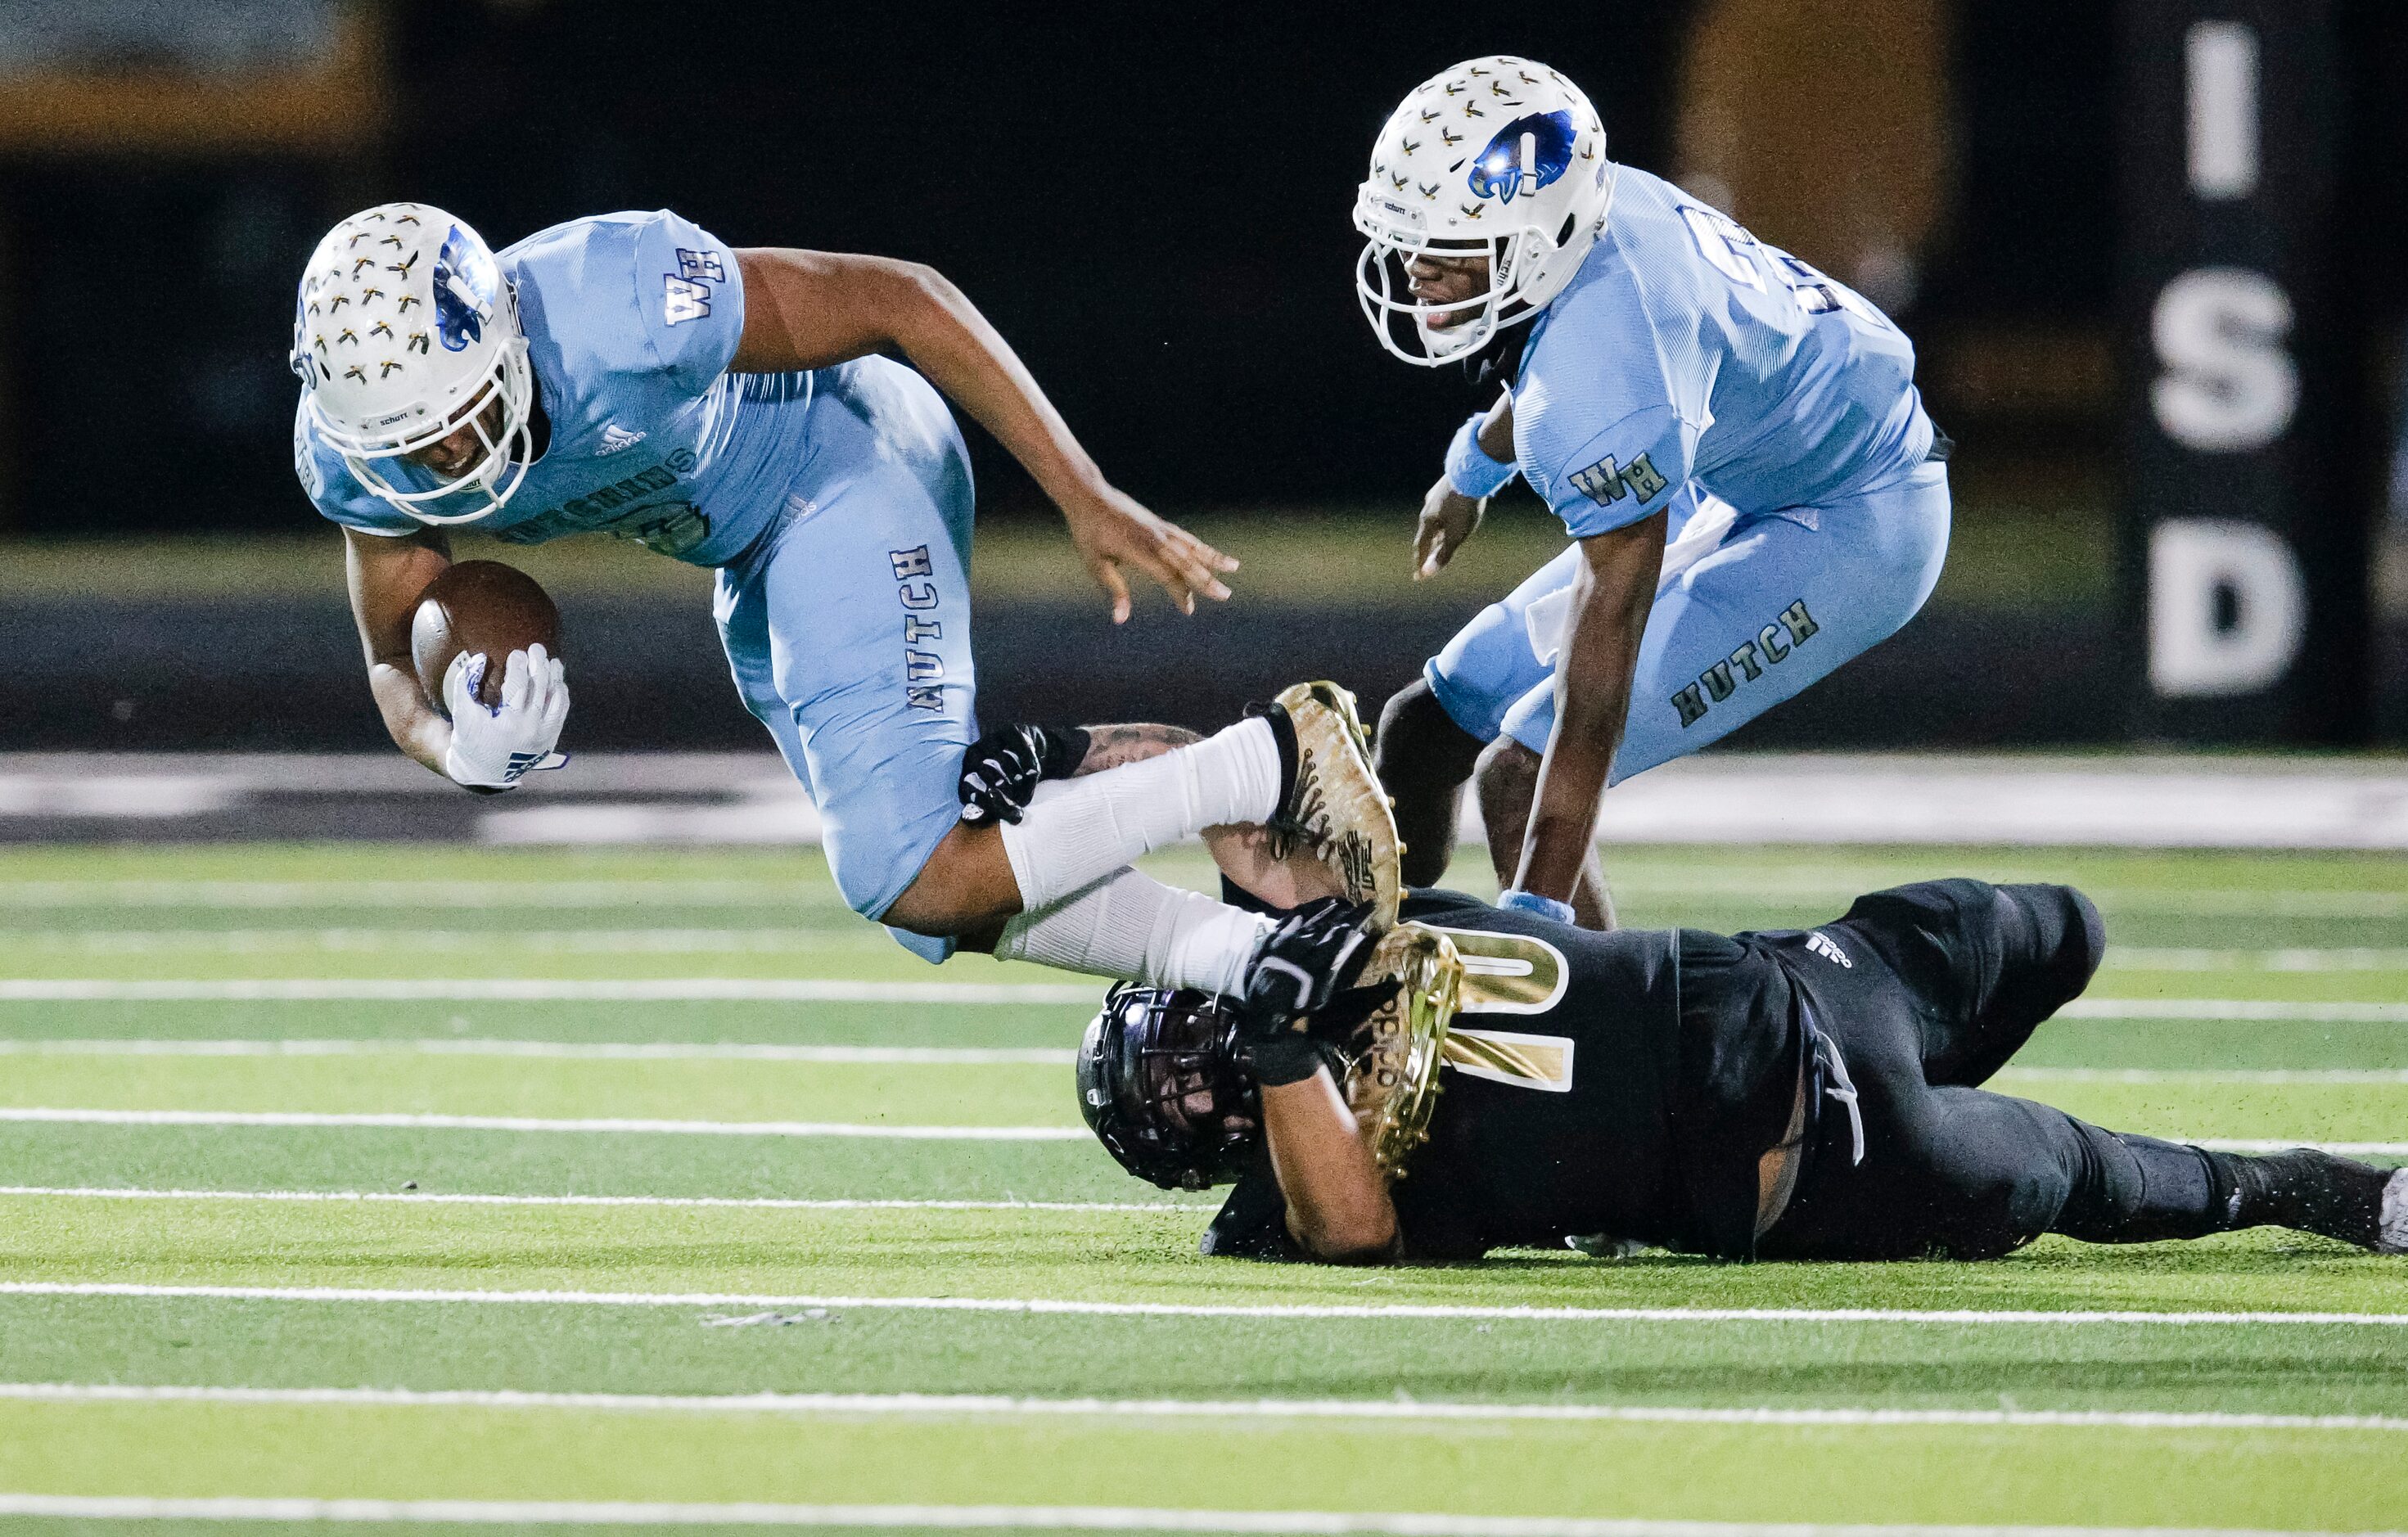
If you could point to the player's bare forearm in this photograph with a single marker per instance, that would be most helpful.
(1612, 591)
(1496, 432)
(1338, 1205)
(385, 575)
(812, 309)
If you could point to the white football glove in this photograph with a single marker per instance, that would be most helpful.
(491, 748)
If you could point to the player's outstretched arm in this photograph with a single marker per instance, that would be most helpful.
(1338, 1205)
(1612, 591)
(385, 576)
(814, 308)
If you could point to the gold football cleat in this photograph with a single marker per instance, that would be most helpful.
(1337, 809)
(1393, 1084)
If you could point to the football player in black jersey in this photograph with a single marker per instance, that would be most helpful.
(1809, 1094)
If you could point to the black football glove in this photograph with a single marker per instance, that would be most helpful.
(1300, 967)
(1003, 768)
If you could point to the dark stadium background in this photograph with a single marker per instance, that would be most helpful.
(1152, 203)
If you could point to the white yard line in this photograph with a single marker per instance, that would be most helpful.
(638, 1051)
(1788, 885)
(825, 990)
(430, 1197)
(524, 895)
(530, 1123)
(1309, 1311)
(658, 1051)
(1254, 1523)
(2277, 1144)
(2138, 959)
(573, 942)
(537, 989)
(1001, 1406)
(2235, 1008)
(2206, 1075)
(673, 941)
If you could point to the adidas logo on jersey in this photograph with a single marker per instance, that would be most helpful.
(616, 438)
(1822, 945)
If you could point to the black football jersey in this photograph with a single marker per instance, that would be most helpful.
(1559, 1098)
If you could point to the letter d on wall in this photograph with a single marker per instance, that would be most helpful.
(2243, 555)
(2228, 607)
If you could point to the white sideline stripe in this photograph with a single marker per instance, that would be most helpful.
(1372, 1409)
(2208, 1075)
(638, 1051)
(436, 1198)
(1006, 1517)
(2233, 1007)
(531, 1123)
(536, 989)
(1042, 1305)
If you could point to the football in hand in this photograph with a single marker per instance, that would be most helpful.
(480, 606)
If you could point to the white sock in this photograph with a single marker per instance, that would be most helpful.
(1134, 927)
(1077, 831)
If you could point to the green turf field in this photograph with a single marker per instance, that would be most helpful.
(289, 1138)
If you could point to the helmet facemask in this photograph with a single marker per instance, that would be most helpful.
(1404, 324)
(1160, 1086)
(499, 470)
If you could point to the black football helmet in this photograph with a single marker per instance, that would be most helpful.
(1161, 1088)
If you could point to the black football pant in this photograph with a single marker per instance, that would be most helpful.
(1932, 988)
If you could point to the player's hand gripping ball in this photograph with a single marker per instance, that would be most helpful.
(1002, 770)
(484, 642)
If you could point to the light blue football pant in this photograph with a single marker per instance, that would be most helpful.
(1751, 610)
(849, 632)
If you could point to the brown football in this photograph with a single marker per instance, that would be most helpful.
(480, 606)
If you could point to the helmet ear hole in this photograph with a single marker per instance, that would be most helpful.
(1563, 236)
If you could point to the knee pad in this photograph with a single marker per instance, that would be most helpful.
(1418, 738)
(2068, 934)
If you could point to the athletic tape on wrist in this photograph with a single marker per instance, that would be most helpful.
(1530, 902)
(1290, 1056)
(1470, 470)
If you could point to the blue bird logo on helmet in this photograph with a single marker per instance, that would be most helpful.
(466, 286)
(1498, 171)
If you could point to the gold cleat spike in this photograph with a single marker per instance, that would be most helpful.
(1340, 812)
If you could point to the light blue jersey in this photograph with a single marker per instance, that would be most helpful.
(1687, 348)
(1689, 368)
(631, 321)
(835, 504)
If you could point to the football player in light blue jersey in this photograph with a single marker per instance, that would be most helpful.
(1733, 440)
(630, 374)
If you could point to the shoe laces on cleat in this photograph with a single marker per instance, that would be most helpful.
(2391, 1232)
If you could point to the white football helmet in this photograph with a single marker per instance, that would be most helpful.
(1499, 157)
(404, 332)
